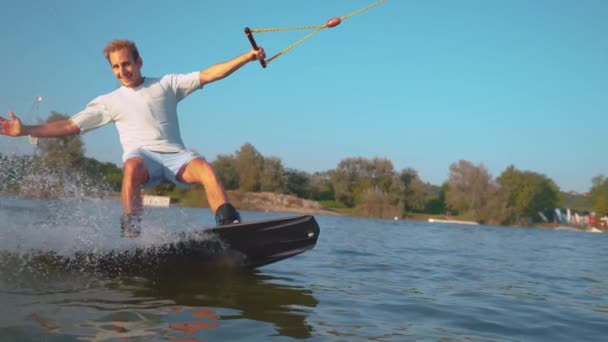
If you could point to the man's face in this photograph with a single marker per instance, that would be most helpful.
(127, 70)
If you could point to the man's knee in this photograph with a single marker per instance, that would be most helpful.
(196, 171)
(200, 164)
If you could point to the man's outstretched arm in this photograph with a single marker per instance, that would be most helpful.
(15, 128)
(221, 70)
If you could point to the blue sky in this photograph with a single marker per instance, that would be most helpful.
(422, 83)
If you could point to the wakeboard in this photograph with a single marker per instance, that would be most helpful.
(243, 245)
(255, 244)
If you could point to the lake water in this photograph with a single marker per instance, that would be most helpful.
(365, 280)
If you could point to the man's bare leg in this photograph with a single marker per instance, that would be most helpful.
(135, 174)
(202, 172)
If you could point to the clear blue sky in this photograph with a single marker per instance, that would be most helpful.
(422, 83)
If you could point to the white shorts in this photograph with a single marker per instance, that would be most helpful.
(163, 166)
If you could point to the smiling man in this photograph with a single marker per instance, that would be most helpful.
(144, 110)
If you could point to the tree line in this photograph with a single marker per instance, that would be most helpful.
(362, 186)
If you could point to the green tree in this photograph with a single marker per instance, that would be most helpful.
(354, 177)
(599, 195)
(226, 169)
(385, 179)
(349, 180)
(382, 174)
(273, 176)
(249, 165)
(435, 202)
(297, 183)
(61, 153)
(528, 192)
(414, 190)
(321, 188)
(377, 203)
(472, 192)
(467, 187)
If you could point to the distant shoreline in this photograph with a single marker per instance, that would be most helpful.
(281, 203)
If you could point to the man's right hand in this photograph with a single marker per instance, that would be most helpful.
(13, 127)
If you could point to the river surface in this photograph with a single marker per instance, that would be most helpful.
(366, 279)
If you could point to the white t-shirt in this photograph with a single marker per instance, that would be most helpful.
(145, 116)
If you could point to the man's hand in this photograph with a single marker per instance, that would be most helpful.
(258, 54)
(12, 127)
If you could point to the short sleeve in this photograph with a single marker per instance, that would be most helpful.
(184, 84)
(93, 116)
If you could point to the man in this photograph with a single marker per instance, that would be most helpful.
(144, 111)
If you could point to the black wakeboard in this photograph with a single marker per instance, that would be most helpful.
(246, 245)
(265, 242)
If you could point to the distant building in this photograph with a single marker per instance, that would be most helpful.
(157, 201)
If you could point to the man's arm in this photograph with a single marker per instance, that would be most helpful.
(221, 70)
(15, 128)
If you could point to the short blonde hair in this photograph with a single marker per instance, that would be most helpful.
(118, 44)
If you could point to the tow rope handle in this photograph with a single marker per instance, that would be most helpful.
(254, 44)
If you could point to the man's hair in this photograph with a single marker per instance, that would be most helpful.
(118, 44)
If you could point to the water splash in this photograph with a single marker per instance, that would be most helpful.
(79, 234)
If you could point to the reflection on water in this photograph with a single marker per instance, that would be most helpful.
(252, 295)
(172, 307)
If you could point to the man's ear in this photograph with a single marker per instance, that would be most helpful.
(140, 62)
